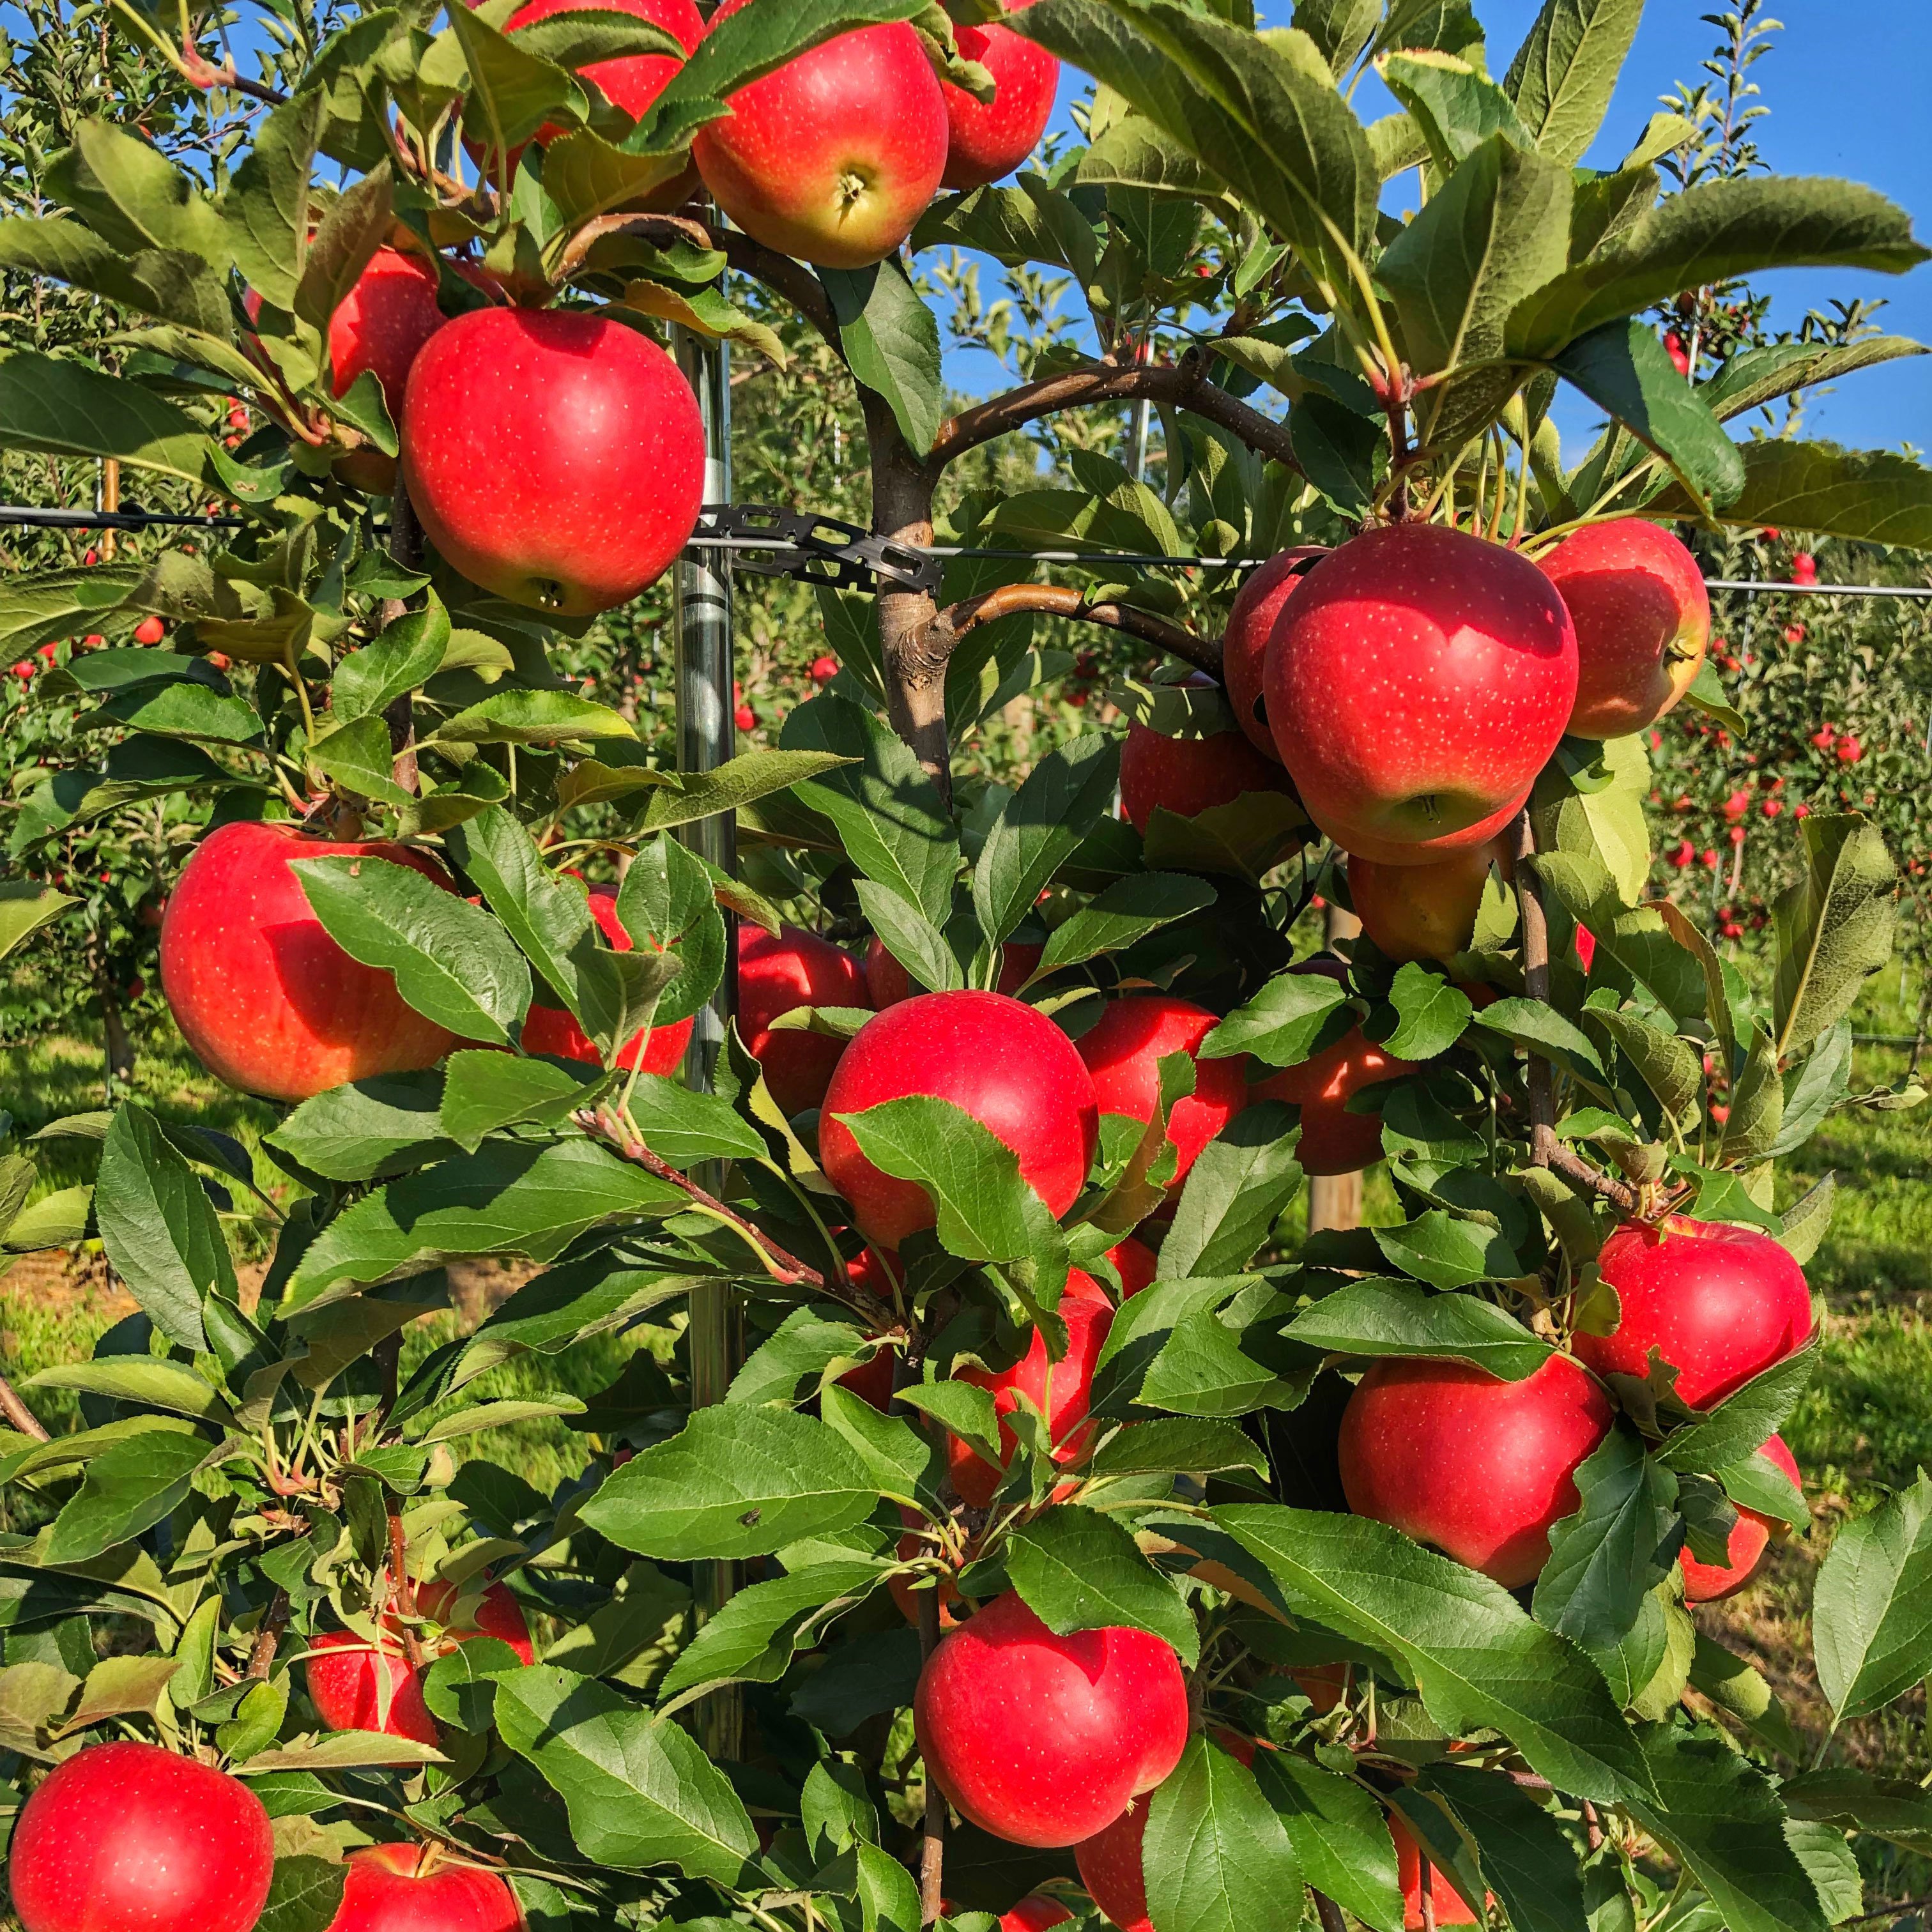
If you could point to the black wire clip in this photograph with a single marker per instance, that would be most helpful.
(771, 542)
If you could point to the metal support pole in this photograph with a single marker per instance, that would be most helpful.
(701, 619)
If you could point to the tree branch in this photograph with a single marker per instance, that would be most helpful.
(1184, 384)
(780, 273)
(932, 1838)
(267, 1639)
(1329, 1912)
(17, 1412)
(949, 626)
(406, 548)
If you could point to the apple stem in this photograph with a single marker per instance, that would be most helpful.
(932, 1842)
(17, 1412)
(267, 1639)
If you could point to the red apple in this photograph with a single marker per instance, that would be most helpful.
(1334, 1141)
(1425, 912)
(1034, 1914)
(1124, 1049)
(1447, 1905)
(1643, 617)
(1137, 1264)
(268, 1002)
(1244, 643)
(887, 982)
(777, 976)
(1478, 1467)
(1058, 1389)
(1417, 682)
(555, 460)
(631, 82)
(383, 322)
(872, 1381)
(128, 1837)
(1000, 1060)
(1188, 775)
(552, 1029)
(834, 156)
(1750, 1537)
(409, 1887)
(148, 630)
(1719, 1304)
(985, 140)
(1111, 1869)
(1041, 1739)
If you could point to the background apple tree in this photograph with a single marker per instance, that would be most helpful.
(718, 1727)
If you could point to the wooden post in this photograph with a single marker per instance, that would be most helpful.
(1335, 1200)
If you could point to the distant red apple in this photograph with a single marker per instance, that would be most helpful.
(1719, 1304)
(555, 459)
(1446, 1903)
(1479, 1467)
(552, 1029)
(413, 1887)
(1750, 1537)
(1642, 615)
(148, 630)
(1189, 776)
(1417, 682)
(986, 140)
(1102, 1714)
(888, 982)
(1088, 1314)
(128, 1837)
(1426, 912)
(1000, 1060)
(777, 976)
(1251, 622)
(1124, 1049)
(834, 157)
(267, 1000)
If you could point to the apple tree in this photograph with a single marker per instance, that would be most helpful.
(1007, 1511)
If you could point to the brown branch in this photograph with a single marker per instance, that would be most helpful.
(780, 273)
(1593, 1827)
(17, 1412)
(932, 1837)
(949, 626)
(1328, 1912)
(1184, 384)
(403, 1589)
(406, 548)
(255, 90)
(267, 1639)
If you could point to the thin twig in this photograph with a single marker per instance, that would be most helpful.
(404, 1590)
(405, 549)
(1593, 1827)
(932, 1839)
(17, 1412)
(782, 276)
(267, 1639)
(1328, 1912)
(949, 626)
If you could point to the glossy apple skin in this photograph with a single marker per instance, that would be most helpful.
(985, 140)
(1447, 1903)
(872, 1381)
(1042, 1740)
(836, 155)
(383, 1891)
(383, 322)
(128, 1837)
(268, 1002)
(1124, 1049)
(1478, 1467)
(1251, 622)
(1034, 1914)
(887, 982)
(1000, 1060)
(1425, 912)
(1069, 1382)
(552, 1029)
(777, 976)
(1642, 615)
(1189, 776)
(1334, 1141)
(1110, 1863)
(555, 460)
(1417, 682)
(1720, 1304)
(1137, 1263)
(1750, 1537)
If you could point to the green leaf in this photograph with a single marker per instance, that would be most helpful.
(1670, 1067)
(576, 38)
(1263, 115)
(1624, 368)
(1874, 495)
(1079, 1570)
(485, 1090)
(1339, 28)
(1739, 1691)
(345, 241)
(167, 284)
(1448, 1252)
(126, 1488)
(1563, 76)
(964, 1409)
(1203, 1370)
(1128, 909)
(1605, 824)
(1538, 1028)
(507, 1198)
(512, 91)
(1889, 1808)
(265, 212)
(341, 1750)
(133, 196)
(534, 717)
(1381, 1317)
(184, 710)
(1478, 1659)
(1062, 798)
(910, 937)
(159, 1227)
(585, 176)
(754, 1637)
(743, 780)
(737, 1480)
(453, 962)
(904, 1463)
(890, 339)
(1526, 1861)
(1337, 450)
(1743, 1422)
(354, 1132)
(668, 902)
(1340, 1835)
(683, 1127)
(639, 1789)
(304, 1894)
(1871, 1613)
(986, 1211)
(1173, 1446)
(1430, 1013)
(1215, 1856)
(406, 656)
(66, 408)
(1454, 105)
(144, 1380)
(1239, 1187)
(1812, 1089)
(1834, 926)
(1295, 1016)
(359, 758)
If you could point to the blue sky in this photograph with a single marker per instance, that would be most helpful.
(1847, 83)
